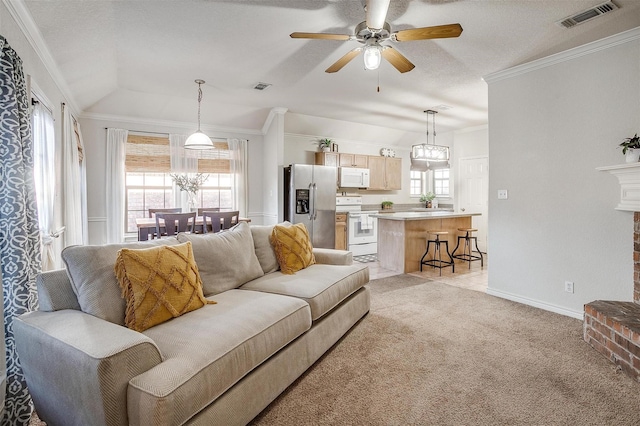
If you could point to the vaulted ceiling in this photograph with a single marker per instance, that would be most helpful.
(140, 58)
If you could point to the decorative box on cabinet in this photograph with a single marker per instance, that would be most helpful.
(341, 231)
(327, 158)
(385, 173)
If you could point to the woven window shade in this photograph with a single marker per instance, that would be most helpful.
(153, 154)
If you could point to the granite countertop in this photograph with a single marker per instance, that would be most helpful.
(420, 215)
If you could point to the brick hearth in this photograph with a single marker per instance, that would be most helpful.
(613, 328)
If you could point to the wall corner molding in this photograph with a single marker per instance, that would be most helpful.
(567, 55)
(271, 116)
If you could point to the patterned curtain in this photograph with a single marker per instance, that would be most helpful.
(19, 233)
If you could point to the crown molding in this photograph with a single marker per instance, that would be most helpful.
(183, 125)
(23, 18)
(271, 116)
(567, 55)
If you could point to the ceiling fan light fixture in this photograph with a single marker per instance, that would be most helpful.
(198, 140)
(372, 56)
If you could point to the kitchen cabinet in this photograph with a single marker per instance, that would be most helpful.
(341, 231)
(354, 160)
(327, 158)
(385, 173)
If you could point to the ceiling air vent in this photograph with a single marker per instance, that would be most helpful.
(261, 86)
(585, 15)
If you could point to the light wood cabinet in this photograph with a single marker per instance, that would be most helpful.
(341, 231)
(327, 158)
(354, 160)
(385, 173)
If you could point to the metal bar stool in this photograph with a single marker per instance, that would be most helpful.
(437, 261)
(467, 254)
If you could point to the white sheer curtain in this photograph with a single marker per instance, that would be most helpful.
(182, 161)
(75, 189)
(116, 152)
(45, 178)
(238, 150)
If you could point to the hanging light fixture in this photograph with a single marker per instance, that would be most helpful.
(198, 140)
(429, 155)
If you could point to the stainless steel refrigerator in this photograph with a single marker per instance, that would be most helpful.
(310, 198)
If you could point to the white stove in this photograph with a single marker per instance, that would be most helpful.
(362, 229)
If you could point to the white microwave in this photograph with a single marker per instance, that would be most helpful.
(352, 177)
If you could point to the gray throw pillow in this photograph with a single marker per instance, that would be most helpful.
(90, 270)
(225, 260)
(264, 250)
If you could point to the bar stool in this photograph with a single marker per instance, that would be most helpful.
(466, 254)
(437, 261)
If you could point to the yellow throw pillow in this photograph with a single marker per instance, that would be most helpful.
(293, 247)
(158, 284)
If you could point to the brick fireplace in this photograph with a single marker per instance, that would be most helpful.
(613, 328)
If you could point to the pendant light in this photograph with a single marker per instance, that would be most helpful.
(198, 140)
(429, 155)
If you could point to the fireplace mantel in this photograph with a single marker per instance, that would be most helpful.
(629, 178)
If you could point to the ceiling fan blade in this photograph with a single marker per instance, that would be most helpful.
(376, 12)
(397, 59)
(337, 66)
(324, 36)
(440, 31)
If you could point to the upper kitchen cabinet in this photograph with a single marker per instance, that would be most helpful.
(354, 160)
(385, 172)
(327, 159)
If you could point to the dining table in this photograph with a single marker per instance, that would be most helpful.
(147, 226)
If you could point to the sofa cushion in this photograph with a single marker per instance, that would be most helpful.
(226, 260)
(322, 286)
(158, 283)
(292, 246)
(90, 270)
(206, 351)
(264, 250)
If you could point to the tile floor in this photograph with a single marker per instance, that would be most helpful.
(472, 279)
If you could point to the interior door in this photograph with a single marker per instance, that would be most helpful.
(473, 194)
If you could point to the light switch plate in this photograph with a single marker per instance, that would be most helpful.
(502, 194)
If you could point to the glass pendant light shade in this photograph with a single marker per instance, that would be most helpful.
(372, 57)
(429, 156)
(198, 140)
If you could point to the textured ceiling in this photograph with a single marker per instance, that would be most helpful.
(140, 58)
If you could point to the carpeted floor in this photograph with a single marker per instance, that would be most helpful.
(433, 354)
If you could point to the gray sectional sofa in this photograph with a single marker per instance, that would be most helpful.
(219, 365)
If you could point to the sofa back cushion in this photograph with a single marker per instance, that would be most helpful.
(90, 269)
(226, 260)
(264, 250)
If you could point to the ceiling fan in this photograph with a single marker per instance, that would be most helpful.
(375, 30)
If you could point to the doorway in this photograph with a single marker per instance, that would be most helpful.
(473, 194)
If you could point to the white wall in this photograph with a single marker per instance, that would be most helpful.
(552, 122)
(95, 136)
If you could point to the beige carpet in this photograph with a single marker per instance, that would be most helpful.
(432, 354)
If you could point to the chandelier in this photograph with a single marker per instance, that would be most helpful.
(198, 140)
(428, 155)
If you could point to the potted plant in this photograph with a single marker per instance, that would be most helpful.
(324, 144)
(631, 149)
(386, 205)
(427, 198)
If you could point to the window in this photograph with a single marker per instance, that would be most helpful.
(148, 183)
(441, 182)
(417, 183)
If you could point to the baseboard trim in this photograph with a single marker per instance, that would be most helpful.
(537, 304)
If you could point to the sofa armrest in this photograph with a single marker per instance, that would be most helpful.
(78, 366)
(332, 257)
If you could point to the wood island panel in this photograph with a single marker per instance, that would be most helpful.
(401, 243)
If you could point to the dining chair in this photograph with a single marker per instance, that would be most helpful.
(207, 209)
(219, 220)
(175, 222)
(152, 212)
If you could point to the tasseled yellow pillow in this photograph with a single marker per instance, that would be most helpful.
(158, 284)
(293, 247)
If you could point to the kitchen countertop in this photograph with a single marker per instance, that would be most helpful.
(420, 215)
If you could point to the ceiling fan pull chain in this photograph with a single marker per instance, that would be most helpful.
(378, 80)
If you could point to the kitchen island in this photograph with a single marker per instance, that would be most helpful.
(402, 237)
